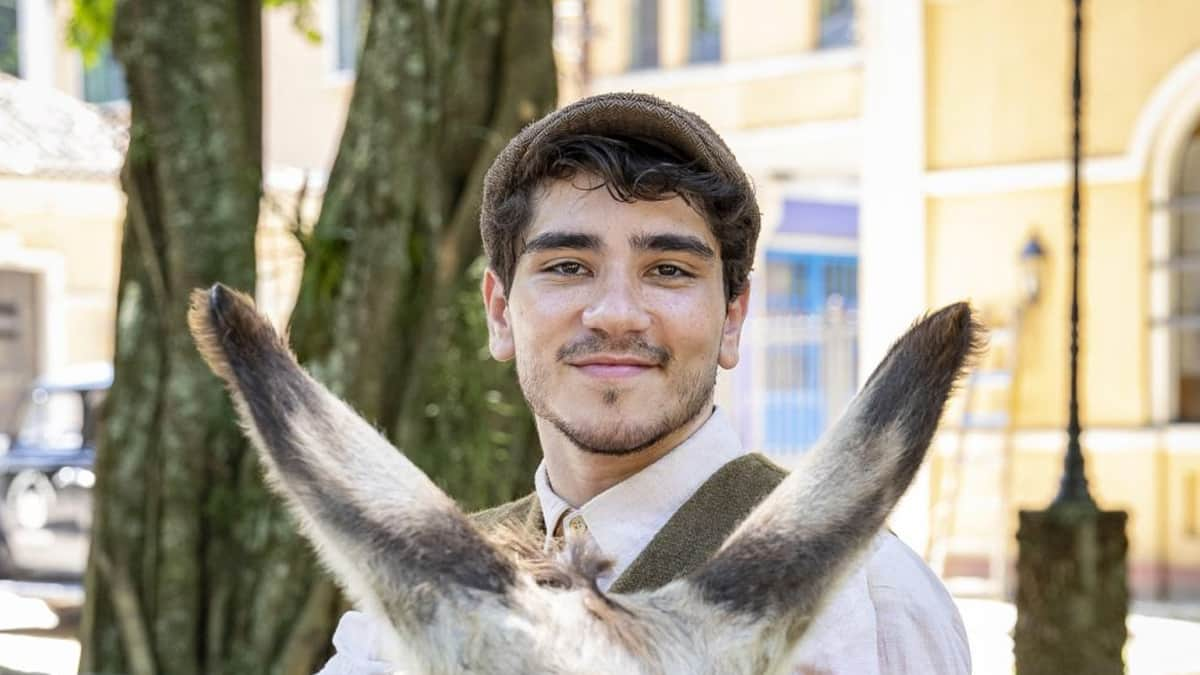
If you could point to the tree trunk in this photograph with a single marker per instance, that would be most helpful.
(190, 556)
(194, 567)
(389, 313)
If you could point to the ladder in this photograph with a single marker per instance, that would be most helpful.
(976, 473)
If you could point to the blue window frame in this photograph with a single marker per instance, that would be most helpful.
(804, 283)
(811, 362)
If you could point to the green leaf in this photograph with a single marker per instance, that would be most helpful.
(90, 28)
(303, 19)
(91, 25)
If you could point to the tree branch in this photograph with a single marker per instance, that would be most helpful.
(134, 635)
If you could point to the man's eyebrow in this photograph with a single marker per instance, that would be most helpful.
(685, 243)
(559, 240)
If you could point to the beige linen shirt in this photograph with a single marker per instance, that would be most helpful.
(623, 519)
(891, 615)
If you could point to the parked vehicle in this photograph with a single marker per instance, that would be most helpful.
(46, 476)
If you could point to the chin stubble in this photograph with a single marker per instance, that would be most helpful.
(692, 395)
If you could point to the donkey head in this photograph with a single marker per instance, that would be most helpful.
(458, 602)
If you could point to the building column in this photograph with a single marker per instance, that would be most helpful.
(892, 264)
(37, 38)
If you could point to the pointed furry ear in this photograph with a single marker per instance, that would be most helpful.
(398, 544)
(219, 314)
(779, 564)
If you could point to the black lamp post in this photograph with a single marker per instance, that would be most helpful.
(1072, 594)
(1073, 488)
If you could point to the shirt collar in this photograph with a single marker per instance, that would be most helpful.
(624, 518)
(553, 506)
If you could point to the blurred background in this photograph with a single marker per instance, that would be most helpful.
(906, 154)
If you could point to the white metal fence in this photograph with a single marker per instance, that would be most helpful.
(798, 373)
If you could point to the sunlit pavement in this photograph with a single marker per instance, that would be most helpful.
(32, 640)
(1157, 645)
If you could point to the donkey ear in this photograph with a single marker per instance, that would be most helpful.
(776, 568)
(398, 544)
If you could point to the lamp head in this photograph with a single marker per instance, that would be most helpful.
(1033, 260)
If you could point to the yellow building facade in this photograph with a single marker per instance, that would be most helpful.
(997, 123)
(60, 202)
(60, 209)
(904, 152)
(946, 125)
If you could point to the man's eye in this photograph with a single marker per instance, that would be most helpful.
(669, 271)
(569, 269)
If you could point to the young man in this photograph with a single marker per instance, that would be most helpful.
(620, 233)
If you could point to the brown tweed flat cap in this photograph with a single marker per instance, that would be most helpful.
(623, 114)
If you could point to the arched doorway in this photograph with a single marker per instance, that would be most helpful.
(1183, 282)
(1167, 140)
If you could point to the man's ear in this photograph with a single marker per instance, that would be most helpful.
(731, 332)
(495, 307)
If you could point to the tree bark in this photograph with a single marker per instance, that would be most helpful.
(389, 314)
(195, 568)
(190, 555)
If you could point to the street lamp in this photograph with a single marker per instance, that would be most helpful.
(1033, 264)
(1072, 594)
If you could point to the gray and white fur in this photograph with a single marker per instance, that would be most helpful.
(459, 601)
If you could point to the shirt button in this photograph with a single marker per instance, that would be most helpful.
(576, 525)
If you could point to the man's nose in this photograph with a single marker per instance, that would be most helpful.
(617, 308)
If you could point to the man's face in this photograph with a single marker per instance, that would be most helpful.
(617, 316)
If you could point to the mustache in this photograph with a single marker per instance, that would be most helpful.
(634, 345)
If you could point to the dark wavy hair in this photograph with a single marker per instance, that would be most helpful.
(630, 168)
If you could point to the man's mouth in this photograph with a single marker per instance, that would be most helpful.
(613, 367)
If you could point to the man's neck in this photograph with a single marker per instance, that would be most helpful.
(578, 475)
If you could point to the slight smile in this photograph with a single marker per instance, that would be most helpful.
(613, 367)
